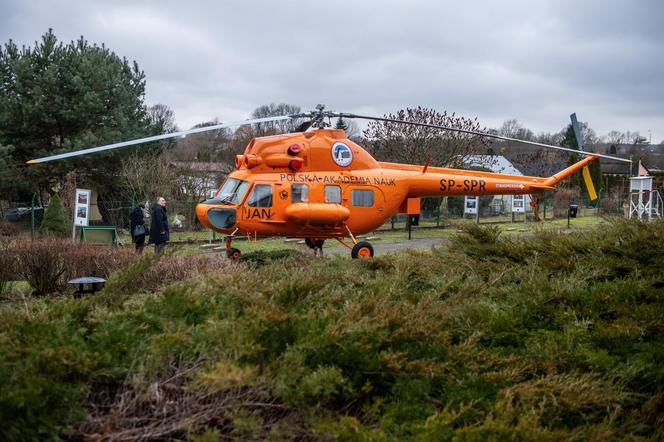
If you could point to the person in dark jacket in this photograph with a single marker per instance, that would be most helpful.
(159, 229)
(137, 227)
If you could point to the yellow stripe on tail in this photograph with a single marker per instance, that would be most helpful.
(590, 187)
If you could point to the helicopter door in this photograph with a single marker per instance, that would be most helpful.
(366, 203)
(260, 204)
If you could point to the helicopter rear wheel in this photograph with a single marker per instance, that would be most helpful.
(362, 250)
(233, 254)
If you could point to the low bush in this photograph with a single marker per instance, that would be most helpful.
(101, 261)
(7, 264)
(154, 272)
(47, 264)
(551, 337)
(8, 229)
(174, 268)
(43, 263)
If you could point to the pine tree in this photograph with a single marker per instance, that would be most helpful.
(55, 221)
(57, 97)
(341, 124)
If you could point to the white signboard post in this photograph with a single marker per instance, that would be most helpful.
(81, 209)
(518, 204)
(470, 205)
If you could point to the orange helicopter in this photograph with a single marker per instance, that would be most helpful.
(317, 184)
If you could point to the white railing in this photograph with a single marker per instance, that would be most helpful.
(657, 208)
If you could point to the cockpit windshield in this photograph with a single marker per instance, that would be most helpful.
(232, 191)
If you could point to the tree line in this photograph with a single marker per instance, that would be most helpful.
(57, 97)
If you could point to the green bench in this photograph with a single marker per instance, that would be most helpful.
(106, 235)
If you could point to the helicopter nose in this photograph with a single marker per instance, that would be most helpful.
(215, 217)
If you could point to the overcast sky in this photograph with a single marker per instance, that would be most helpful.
(536, 61)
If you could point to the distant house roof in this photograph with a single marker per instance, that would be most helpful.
(495, 163)
(200, 166)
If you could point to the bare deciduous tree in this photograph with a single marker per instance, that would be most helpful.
(275, 127)
(205, 146)
(513, 129)
(162, 118)
(148, 176)
(411, 144)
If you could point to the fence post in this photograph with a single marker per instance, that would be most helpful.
(32, 216)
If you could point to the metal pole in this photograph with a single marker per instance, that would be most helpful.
(568, 218)
(32, 215)
(477, 216)
(73, 222)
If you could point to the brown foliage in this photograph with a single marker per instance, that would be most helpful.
(170, 409)
(8, 229)
(48, 263)
(101, 261)
(42, 263)
(561, 201)
(172, 269)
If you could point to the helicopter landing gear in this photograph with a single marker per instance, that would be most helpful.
(359, 249)
(362, 250)
(231, 252)
(316, 245)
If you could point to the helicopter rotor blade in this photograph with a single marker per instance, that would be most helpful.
(483, 134)
(162, 137)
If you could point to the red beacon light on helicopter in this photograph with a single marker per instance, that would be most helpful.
(295, 165)
(294, 150)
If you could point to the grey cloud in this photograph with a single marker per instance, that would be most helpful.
(534, 61)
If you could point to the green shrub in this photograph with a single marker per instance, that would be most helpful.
(55, 222)
(490, 339)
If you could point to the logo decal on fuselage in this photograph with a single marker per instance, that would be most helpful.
(341, 154)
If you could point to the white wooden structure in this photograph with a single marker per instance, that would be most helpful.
(643, 201)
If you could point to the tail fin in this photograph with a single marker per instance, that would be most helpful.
(556, 178)
(590, 187)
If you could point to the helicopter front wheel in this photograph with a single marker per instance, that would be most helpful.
(362, 250)
(233, 254)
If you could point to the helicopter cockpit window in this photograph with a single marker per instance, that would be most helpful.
(261, 196)
(362, 198)
(333, 194)
(232, 191)
(299, 193)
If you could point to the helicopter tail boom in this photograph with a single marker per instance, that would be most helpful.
(556, 178)
(450, 182)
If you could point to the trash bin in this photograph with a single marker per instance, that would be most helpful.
(572, 210)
